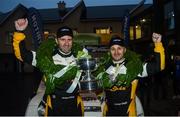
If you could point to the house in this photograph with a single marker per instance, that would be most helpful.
(99, 20)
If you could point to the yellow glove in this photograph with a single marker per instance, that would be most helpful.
(17, 38)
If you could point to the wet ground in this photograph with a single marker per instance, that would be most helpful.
(17, 90)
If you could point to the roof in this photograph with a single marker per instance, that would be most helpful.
(50, 14)
(4, 16)
(97, 12)
(140, 9)
(107, 12)
(89, 13)
(54, 14)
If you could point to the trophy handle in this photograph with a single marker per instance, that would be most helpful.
(97, 64)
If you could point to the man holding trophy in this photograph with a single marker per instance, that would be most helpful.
(67, 65)
(56, 58)
(118, 72)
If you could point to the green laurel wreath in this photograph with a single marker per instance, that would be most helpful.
(134, 67)
(46, 65)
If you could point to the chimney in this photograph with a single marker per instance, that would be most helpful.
(62, 8)
(61, 5)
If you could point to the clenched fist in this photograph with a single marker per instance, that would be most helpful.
(21, 24)
(156, 37)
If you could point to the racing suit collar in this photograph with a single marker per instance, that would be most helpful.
(114, 63)
(64, 54)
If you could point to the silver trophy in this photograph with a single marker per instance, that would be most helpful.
(88, 81)
(90, 89)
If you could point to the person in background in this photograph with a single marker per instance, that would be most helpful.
(176, 77)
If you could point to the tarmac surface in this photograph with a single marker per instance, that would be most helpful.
(18, 89)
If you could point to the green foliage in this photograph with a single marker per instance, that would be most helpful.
(46, 65)
(134, 67)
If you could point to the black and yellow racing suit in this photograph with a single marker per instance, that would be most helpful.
(120, 100)
(59, 102)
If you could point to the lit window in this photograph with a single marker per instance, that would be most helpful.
(135, 31)
(131, 33)
(46, 33)
(103, 30)
(138, 31)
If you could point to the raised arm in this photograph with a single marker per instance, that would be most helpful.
(20, 50)
(159, 49)
(158, 63)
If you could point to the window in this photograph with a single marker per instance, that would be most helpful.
(103, 30)
(138, 32)
(46, 33)
(9, 38)
(169, 16)
(131, 33)
(135, 32)
(140, 28)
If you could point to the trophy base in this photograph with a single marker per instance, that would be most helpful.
(91, 95)
(92, 85)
